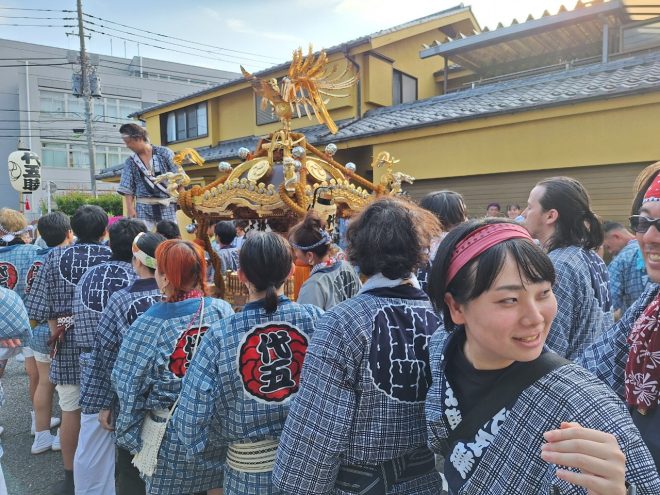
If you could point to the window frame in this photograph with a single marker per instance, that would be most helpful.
(182, 117)
(400, 74)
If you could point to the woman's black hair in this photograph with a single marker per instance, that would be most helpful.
(477, 276)
(89, 223)
(148, 244)
(54, 228)
(391, 236)
(265, 259)
(448, 206)
(576, 224)
(307, 232)
(121, 234)
(168, 229)
(225, 232)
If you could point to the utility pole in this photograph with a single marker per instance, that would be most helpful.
(87, 94)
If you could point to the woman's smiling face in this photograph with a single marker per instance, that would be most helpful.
(508, 322)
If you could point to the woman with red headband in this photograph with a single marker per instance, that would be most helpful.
(627, 356)
(154, 356)
(498, 394)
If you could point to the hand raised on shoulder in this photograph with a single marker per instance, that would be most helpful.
(595, 453)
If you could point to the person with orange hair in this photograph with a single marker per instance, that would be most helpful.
(154, 356)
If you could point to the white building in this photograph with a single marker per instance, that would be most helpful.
(37, 106)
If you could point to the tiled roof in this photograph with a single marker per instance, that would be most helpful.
(598, 81)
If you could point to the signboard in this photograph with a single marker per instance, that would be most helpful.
(24, 171)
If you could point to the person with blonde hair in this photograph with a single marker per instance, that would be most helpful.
(17, 256)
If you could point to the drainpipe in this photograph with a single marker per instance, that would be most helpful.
(359, 82)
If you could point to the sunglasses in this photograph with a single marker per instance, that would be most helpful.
(641, 224)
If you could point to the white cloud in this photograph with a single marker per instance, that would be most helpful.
(239, 26)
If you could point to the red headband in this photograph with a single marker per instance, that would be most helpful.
(653, 192)
(481, 240)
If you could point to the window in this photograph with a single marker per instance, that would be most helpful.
(185, 123)
(76, 155)
(640, 35)
(79, 156)
(76, 105)
(264, 116)
(52, 102)
(404, 88)
(112, 108)
(54, 155)
(127, 107)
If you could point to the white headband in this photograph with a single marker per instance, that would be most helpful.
(10, 236)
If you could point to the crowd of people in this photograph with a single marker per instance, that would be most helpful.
(488, 356)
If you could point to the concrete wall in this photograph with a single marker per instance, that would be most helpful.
(120, 79)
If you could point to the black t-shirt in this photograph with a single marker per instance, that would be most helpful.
(470, 385)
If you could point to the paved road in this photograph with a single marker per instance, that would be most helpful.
(25, 474)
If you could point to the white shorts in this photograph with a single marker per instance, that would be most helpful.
(94, 463)
(69, 397)
(28, 352)
(41, 358)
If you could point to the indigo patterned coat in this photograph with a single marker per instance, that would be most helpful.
(91, 296)
(123, 308)
(153, 358)
(361, 400)
(241, 382)
(51, 297)
(504, 456)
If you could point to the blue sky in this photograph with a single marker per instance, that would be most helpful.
(267, 29)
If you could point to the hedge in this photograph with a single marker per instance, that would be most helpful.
(69, 203)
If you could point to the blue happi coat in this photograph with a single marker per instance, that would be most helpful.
(123, 308)
(504, 455)
(91, 296)
(15, 264)
(51, 297)
(361, 400)
(607, 357)
(41, 332)
(329, 284)
(14, 324)
(153, 358)
(583, 300)
(240, 384)
(133, 183)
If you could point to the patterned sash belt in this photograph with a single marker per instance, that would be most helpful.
(252, 457)
(156, 201)
(64, 324)
(376, 480)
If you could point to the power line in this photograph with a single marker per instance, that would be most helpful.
(42, 25)
(160, 47)
(60, 113)
(36, 17)
(37, 10)
(37, 65)
(34, 58)
(179, 39)
(238, 57)
(198, 77)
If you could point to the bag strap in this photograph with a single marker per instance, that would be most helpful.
(199, 332)
(147, 176)
(506, 389)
